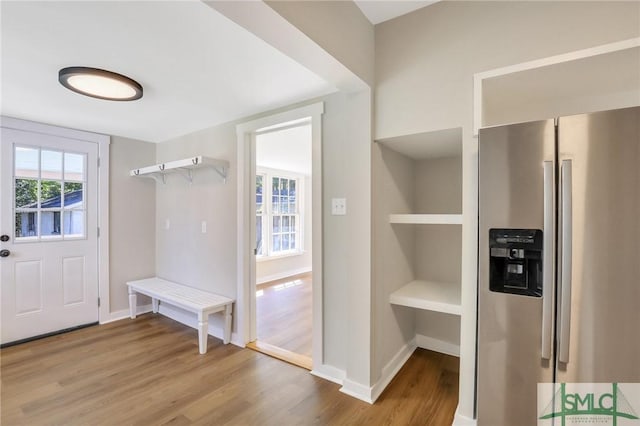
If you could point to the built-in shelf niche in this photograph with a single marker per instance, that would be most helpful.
(419, 196)
(595, 79)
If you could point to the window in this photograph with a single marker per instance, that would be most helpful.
(49, 194)
(278, 222)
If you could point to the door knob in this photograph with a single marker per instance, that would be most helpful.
(4, 238)
(4, 253)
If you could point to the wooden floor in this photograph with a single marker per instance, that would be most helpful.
(148, 372)
(284, 314)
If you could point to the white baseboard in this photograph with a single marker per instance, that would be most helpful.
(390, 370)
(460, 420)
(281, 275)
(357, 390)
(329, 373)
(426, 342)
(124, 313)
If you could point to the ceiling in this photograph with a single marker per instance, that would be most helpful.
(378, 11)
(197, 67)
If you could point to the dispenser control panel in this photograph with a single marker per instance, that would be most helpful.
(515, 261)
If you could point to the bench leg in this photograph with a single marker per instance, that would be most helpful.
(227, 323)
(132, 303)
(203, 332)
(155, 303)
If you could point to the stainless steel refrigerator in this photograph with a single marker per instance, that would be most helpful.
(558, 259)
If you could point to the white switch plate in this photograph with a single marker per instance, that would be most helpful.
(338, 206)
(167, 224)
(204, 226)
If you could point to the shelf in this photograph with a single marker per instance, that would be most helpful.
(427, 145)
(426, 219)
(430, 296)
(184, 168)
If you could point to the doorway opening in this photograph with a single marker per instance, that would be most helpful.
(283, 254)
(280, 222)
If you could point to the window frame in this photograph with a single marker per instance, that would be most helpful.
(36, 212)
(267, 213)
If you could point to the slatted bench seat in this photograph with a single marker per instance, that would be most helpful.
(191, 299)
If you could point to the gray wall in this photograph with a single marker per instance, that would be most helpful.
(438, 190)
(183, 253)
(346, 155)
(393, 253)
(132, 205)
(438, 248)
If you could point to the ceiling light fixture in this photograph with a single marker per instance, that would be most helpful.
(100, 84)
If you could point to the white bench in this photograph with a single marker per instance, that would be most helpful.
(191, 299)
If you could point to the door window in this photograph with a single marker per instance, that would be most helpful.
(49, 194)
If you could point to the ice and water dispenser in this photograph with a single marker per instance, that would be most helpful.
(516, 261)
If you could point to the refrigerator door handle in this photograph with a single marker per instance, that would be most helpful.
(548, 266)
(565, 269)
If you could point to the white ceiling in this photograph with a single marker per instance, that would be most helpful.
(198, 68)
(382, 10)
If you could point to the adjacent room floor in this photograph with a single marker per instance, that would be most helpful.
(148, 371)
(284, 315)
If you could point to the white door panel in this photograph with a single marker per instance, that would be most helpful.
(73, 280)
(48, 208)
(28, 287)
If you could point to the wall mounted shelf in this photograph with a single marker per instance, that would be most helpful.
(185, 168)
(430, 296)
(426, 219)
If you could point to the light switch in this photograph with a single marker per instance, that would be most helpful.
(167, 224)
(204, 226)
(338, 206)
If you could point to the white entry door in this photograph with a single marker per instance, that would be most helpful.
(48, 217)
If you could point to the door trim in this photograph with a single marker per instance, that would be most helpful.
(246, 283)
(103, 142)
